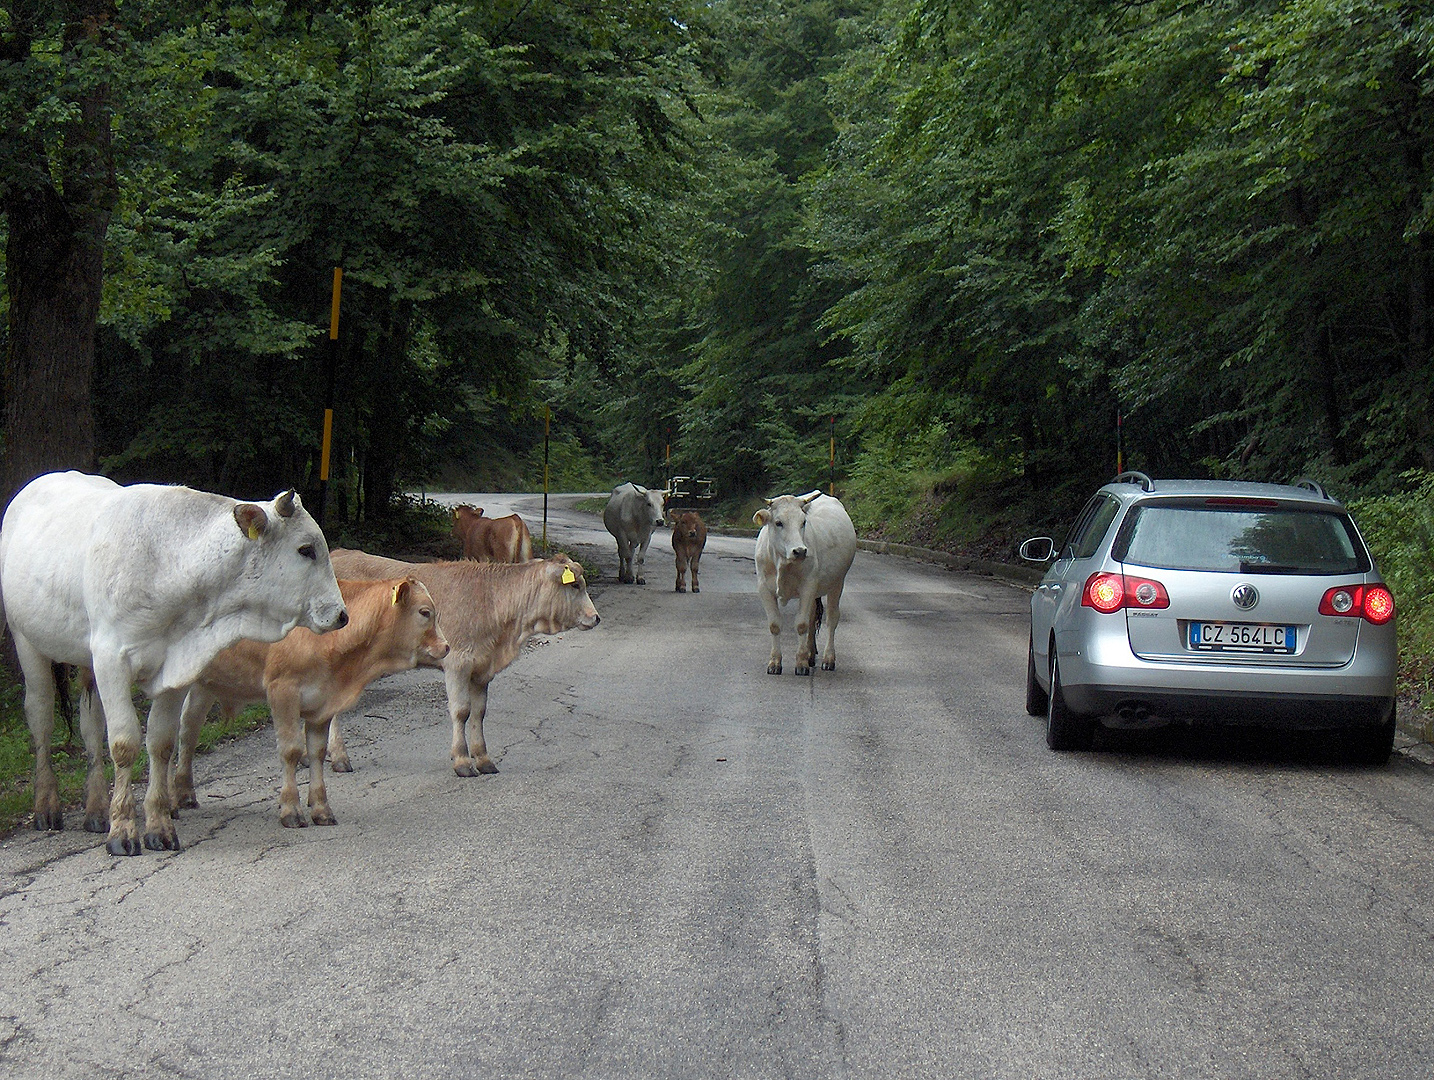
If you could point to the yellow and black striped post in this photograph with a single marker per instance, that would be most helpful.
(330, 374)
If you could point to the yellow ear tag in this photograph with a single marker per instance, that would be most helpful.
(568, 576)
(253, 532)
(395, 591)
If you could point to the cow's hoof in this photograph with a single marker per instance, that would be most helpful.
(681, 589)
(774, 669)
(325, 817)
(696, 589)
(342, 764)
(97, 823)
(642, 581)
(487, 768)
(52, 821)
(292, 820)
(802, 669)
(828, 665)
(466, 769)
(161, 841)
(124, 845)
(187, 801)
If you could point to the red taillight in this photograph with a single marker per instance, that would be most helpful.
(1373, 603)
(1109, 593)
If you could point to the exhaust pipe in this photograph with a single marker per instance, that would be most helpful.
(1133, 710)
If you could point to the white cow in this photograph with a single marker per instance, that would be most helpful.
(804, 550)
(145, 585)
(630, 515)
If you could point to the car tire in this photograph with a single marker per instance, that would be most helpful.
(1373, 745)
(1064, 729)
(1036, 699)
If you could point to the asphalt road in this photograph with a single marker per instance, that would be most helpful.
(689, 868)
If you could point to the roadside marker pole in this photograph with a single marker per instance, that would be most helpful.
(331, 367)
(547, 424)
(831, 484)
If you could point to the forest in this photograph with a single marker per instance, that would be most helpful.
(962, 259)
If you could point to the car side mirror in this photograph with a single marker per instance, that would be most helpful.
(1038, 549)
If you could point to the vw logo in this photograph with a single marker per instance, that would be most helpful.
(1245, 597)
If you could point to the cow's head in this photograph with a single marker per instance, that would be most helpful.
(418, 620)
(567, 590)
(686, 524)
(655, 511)
(287, 558)
(785, 521)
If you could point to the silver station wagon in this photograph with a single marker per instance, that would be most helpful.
(1189, 600)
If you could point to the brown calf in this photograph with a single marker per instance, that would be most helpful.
(502, 539)
(490, 610)
(393, 626)
(689, 537)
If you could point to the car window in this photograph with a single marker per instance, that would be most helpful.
(1246, 540)
(1089, 541)
(1079, 527)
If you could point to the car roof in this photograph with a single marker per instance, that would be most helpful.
(1138, 485)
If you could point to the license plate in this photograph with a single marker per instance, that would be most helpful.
(1241, 637)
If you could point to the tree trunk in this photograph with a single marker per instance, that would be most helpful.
(54, 267)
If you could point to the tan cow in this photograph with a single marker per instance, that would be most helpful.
(490, 610)
(393, 626)
(689, 537)
(501, 539)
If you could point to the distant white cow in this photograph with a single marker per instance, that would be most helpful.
(804, 550)
(145, 585)
(630, 515)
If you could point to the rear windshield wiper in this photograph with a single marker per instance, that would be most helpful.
(1272, 568)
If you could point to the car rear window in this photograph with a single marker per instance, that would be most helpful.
(1240, 539)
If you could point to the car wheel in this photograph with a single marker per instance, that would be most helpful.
(1035, 697)
(1064, 729)
(1373, 745)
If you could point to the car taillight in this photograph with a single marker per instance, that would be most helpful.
(1373, 603)
(1109, 593)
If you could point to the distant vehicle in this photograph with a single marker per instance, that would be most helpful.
(1190, 600)
(689, 493)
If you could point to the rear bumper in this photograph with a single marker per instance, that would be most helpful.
(1299, 711)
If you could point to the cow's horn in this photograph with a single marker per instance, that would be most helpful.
(284, 504)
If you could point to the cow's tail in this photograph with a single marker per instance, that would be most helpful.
(525, 547)
(817, 616)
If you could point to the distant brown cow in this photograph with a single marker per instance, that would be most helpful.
(490, 610)
(307, 678)
(689, 537)
(502, 539)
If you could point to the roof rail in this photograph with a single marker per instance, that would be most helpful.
(1313, 485)
(1146, 484)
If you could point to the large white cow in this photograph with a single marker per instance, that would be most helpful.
(804, 550)
(145, 585)
(630, 515)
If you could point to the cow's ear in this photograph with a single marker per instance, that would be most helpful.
(251, 519)
(762, 516)
(401, 591)
(284, 504)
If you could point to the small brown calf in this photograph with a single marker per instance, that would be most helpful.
(490, 610)
(502, 539)
(308, 677)
(689, 537)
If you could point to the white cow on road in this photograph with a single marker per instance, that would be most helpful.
(145, 585)
(804, 550)
(630, 515)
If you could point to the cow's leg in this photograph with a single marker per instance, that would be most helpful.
(639, 557)
(40, 716)
(774, 624)
(112, 682)
(318, 737)
(682, 573)
(624, 562)
(191, 722)
(338, 752)
(467, 704)
(806, 633)
(692, 562)
(92, 727)
(160, 735)
(833, 616)
(284, 706)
